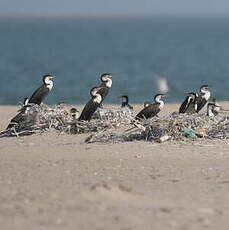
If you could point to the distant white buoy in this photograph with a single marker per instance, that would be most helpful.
(162, 84)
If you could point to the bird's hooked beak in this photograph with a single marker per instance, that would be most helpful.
(51, 77)
(163, 95)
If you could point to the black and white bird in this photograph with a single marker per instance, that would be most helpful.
(92, 104)
(212, 109)
(125, 102)
(204, 96)
(42, 91)
(20, 117)
(152, 109)
(75, 113)
(189, 105)
(106, 85)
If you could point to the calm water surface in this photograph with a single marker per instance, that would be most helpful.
(188, 52)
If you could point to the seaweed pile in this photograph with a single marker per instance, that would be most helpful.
(118, 125)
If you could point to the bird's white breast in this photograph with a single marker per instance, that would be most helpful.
(50, 85)
(161, 105)
(109, 83)
(206, 95)
(97, 98)
(210, 113)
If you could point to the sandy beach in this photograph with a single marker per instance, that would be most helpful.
(56, 181)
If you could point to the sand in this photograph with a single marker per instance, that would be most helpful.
(54, 181)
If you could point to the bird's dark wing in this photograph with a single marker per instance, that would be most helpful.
(201, 102)
(39, 95)
(183, 106)
(149, 111)
(88, 110)
(20, 117)
(191, 107)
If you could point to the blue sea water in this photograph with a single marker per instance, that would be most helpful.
(187, 52)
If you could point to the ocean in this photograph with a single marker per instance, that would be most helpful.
(186, 52)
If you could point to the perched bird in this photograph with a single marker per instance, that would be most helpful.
(92, 105)
(189, 105)
(204, 96)
(75, 113)
(217, 106)
(212, 109)
(42, 92)
(105, 86)
(20, 117)
(125, 102)
(152, 109)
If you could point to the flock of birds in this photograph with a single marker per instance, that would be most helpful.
(193, 102)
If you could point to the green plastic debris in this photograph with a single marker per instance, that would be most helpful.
(189, 133)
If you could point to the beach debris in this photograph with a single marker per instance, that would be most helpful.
(114, 115)
(119, 125)
(189, 133)
(40, 118)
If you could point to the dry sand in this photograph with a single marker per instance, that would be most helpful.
(53, 181)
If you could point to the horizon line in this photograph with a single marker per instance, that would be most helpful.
(110, 16)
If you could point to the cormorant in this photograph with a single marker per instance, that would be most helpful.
(212, 109)
(20, 117)
(152, 109)
(42, 92)
(75, 113)
(105, 86)
(204, 96)
(92, 105)
(217, 107)
(189, 105)
(125, 102)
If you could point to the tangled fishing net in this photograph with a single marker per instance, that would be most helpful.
(119, 125)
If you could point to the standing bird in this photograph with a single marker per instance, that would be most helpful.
(204, 96)
(212, 109)
(106, 85)
(92, 105)
(152, 109)
(125, 102)
(42, 92)
(75, 113)
(189, 105)
(20, 117)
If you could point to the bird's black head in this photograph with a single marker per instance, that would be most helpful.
(158, 96)
(75, 113)
(192, 95)
(125, 99)
(74, 110)
(47, 78)
(104, 77)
